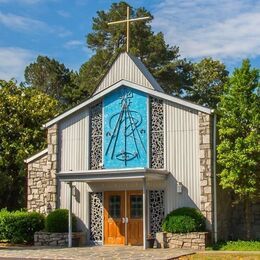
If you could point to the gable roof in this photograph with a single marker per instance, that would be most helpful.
(36, 156)
(146, 90)
(130, 68)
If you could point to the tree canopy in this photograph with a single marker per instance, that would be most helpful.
(106, 41)
(53, 78)
(200, 82)
(208, 79)
(22, 113)
(239, 148)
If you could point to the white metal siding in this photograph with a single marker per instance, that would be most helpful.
(73, 142)
(182, 156)
(125, 68)
(80, 203)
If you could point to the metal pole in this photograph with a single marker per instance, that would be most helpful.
(126, 216)
(70, 216)
(215, 179)
(144, 214)
(127, 28)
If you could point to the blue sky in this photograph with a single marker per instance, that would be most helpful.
(228, 30)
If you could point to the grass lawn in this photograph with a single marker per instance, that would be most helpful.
(237, 246)
(223, 255)
(251, 251)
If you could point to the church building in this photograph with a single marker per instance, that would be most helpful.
(125, 158)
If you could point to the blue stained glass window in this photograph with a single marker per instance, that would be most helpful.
(125, 129)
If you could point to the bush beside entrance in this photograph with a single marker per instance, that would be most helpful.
(57, 221)
(184, 220)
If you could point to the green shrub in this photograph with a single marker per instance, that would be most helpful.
(20, 226)
(184, 220)
(57, 221)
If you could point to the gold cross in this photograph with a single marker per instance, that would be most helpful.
(127, 21)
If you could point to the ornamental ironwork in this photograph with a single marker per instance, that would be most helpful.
(96, 216)
(96, 136)
(156, 200)
(157, 133)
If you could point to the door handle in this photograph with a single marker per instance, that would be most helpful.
(126, 220)
(123, 220)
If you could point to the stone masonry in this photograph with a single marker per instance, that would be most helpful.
(193, 240)
(205, 145)
(58, 239)
(42, 184)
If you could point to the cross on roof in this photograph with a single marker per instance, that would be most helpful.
(127, 21)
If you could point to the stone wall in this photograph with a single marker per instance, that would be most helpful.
(193, 240)
(58, 239)
(52, 140)
(41, 178)
(206, 174)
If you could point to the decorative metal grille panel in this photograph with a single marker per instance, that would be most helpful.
(156, 200)
(156, 133)
(96, 216)
(96, 136)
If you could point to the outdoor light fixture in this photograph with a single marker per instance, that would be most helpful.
(179, 187)
(74, 190)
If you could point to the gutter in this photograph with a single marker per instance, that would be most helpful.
(215, 231)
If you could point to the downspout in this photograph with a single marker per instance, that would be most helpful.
(215, 178)
(70, 216)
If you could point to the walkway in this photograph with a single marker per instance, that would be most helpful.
(95, 252)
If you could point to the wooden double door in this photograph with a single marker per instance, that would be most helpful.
(123, 218)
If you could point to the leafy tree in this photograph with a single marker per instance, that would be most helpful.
(52, 78)
(22, 113)
(92, 71)
(239, 148)
(208, 79)
(107, 41)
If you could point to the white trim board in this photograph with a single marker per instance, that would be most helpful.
(35, 156)
(134, 86)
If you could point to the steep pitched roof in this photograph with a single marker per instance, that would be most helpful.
(127, 67)
(120, 83)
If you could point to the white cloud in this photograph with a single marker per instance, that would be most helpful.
(225, 29)
(21, 23)
(73, 44)
(63, 13)
(13, 62)
(28, 2)
(29, 25)
(61, 32)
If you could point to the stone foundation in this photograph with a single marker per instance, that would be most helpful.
(58, 239)
(194, 240)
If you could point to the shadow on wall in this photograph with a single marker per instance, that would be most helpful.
(180, 198)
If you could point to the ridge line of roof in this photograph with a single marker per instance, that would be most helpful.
(147, 74)
(99, 82)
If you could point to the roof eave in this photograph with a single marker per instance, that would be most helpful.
(36, 156)
(151, 92)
